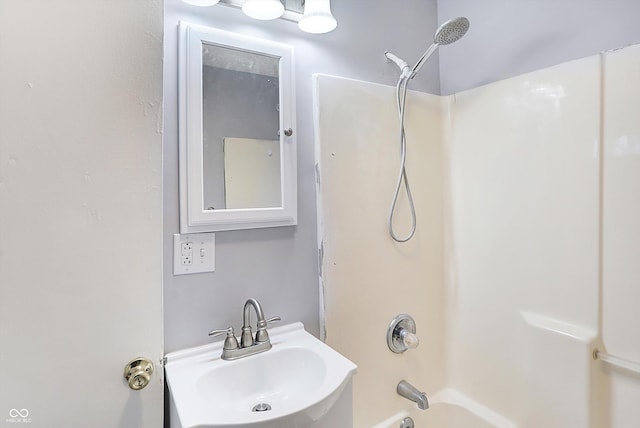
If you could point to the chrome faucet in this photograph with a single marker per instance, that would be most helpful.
(231, 350)
(408, 391)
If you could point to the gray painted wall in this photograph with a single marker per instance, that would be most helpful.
(512, 37)
(279, 266)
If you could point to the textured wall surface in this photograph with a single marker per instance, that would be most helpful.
(80, 210)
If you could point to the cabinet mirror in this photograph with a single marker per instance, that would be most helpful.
(237, 142)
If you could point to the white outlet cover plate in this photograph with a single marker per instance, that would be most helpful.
(202, 257)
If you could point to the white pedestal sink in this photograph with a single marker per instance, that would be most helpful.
(299, 380)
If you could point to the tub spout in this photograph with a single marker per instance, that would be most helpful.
(408, 391)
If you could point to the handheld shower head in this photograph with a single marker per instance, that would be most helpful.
(451, 31)
(447, 33)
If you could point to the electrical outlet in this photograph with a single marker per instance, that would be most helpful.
(187, 248)
(193, 253)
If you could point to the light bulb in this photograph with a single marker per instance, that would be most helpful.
(263, 9)
(201, 2)
(317, 18)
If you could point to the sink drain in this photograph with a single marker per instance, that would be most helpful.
(262, 407)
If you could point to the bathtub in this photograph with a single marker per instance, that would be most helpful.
(450, 409)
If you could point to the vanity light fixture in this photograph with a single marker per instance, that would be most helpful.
(313, 16)
(202, 3)
(263, 9)
(317, 18)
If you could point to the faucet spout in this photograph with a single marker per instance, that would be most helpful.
(246, 313)
(246, 337)
(408, 391)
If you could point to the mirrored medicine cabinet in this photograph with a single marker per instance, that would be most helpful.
(236, 132)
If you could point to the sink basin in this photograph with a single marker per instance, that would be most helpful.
(294, 384)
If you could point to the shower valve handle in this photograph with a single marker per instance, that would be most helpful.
(410, 340)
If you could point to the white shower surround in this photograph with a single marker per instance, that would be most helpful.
(526, 251)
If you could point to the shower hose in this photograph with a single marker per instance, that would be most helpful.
(401, 97)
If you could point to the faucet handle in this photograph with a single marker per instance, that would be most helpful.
(262, 324)
(227, 331)
(230, 342)
(261, 334)
(409, 339)
(273, 320)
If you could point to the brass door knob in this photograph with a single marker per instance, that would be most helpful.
(138, 373)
